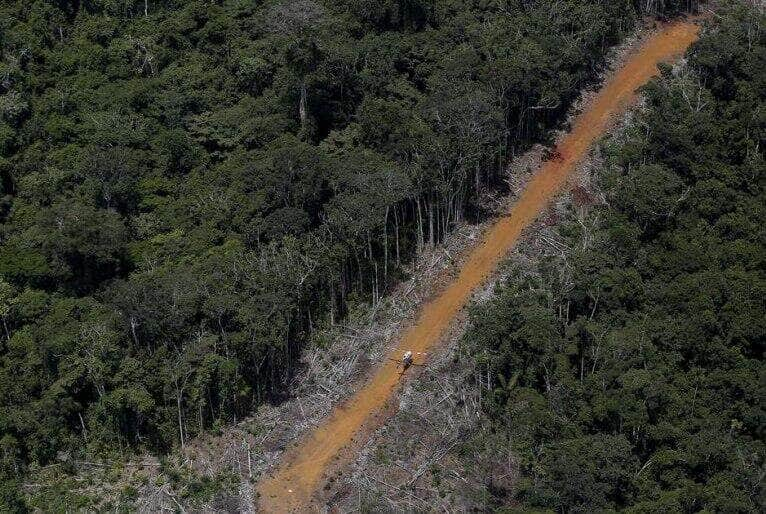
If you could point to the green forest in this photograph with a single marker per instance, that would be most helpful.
(627, 373)
(190, 190)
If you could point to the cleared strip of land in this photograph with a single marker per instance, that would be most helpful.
(291, 487)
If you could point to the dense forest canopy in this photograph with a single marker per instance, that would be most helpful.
(628, 373)
(189, 188)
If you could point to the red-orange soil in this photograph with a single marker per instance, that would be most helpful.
(293, 485)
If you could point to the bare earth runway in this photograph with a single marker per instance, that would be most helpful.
(294, 483)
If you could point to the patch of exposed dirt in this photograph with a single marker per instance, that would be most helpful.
(318, 459)
(437, 452)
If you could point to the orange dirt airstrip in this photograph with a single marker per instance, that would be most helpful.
(293, 485)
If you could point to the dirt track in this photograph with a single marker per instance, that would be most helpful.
(293, 485)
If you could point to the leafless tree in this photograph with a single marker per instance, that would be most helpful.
(294, 18)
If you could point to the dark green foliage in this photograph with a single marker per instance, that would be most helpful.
(187, 189)
(628, 374)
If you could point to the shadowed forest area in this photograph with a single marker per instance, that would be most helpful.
(189, 190)
(627, 372)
